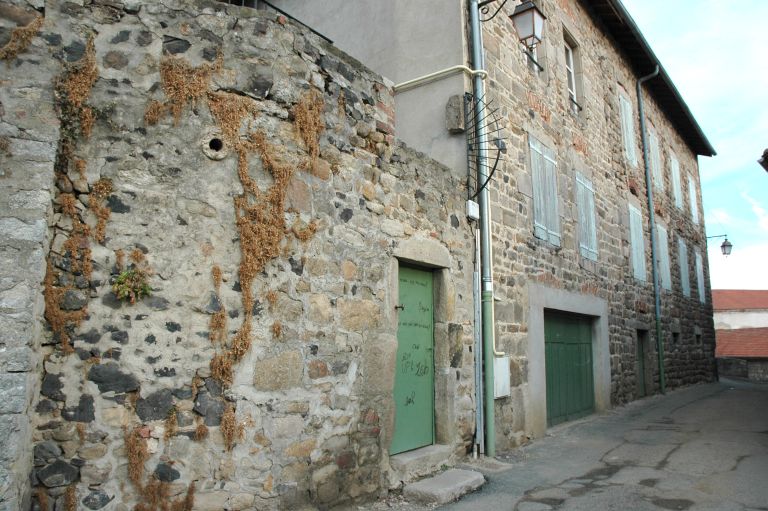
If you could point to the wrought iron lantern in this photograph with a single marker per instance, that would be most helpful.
(726, 246)
(529, 23)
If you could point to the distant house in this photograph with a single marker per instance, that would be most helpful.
(741, 327)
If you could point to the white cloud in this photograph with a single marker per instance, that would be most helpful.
(758, 210)
(743, 269)
(720, 217)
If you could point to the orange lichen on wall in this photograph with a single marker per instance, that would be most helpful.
(21, 38)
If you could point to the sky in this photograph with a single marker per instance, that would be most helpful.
(716, 53)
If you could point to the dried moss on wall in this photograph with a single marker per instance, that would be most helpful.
(226, 224)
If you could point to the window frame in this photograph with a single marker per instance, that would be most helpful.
(570, 74)
(546, 215)
(573, 81)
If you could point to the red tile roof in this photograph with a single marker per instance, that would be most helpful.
(742, 343)
(739, 299)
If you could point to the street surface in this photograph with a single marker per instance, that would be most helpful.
(702, 448)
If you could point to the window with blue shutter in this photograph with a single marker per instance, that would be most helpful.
(637, 243)
(546, 219)
(664, 268)
(585, 199)
(700, 276)
(682, 250)
(628, 128)
(677, 189)
(694, 201)
(655, 160)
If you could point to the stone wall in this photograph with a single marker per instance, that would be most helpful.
(589, 142)
(226, 206)
(751, 369)
(757, 370)
(28, 135)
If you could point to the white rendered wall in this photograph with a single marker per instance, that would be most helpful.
(730, 320)
(402, 40)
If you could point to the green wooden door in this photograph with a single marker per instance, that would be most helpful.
(414, 372)
(568, 352)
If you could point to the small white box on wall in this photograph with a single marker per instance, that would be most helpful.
(501, 377)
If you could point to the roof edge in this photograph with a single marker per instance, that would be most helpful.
(705, 147)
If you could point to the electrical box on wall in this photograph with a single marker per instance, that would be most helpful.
(501, 377)
(473, 210)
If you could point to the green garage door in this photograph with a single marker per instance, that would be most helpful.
(570, 384)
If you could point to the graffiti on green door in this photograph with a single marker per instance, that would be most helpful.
(414, 373)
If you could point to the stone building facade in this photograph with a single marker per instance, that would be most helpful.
(534, 275)
(595, 152)
(207, 215)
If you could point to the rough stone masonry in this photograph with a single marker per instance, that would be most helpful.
(202, 210)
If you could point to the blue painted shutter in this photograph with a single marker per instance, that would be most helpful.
(538, 178)
(700, 276)
(627, 128)
(664, 269)
(552, 214)
(677, 189)
(658, 174)
(585, 199)
(637, 243)
(694, 201)
(685, 282)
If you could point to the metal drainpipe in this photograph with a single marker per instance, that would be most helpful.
(654, 249)
(485, 233)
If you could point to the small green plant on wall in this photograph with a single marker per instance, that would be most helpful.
(132, 283)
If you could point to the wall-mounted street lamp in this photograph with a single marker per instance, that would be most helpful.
(529, 23)
(726, 247)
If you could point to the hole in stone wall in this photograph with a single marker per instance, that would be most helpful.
(213, 146)
(216, 144)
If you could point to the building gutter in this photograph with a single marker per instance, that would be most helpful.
(693, 134)
(489, 348)
(651, 219)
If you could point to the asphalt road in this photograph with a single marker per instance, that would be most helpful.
(699, 448)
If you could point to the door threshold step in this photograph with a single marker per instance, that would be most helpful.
(411, 465)
(444, 488)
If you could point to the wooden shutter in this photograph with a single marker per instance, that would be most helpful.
(694, 202)
(628, 128)
(663, 245)
(552, 215)
(700, 276)
(658, 174)
(538, 177)
(685, 282)
(637, 243)
(585, 198)
(677, 190)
